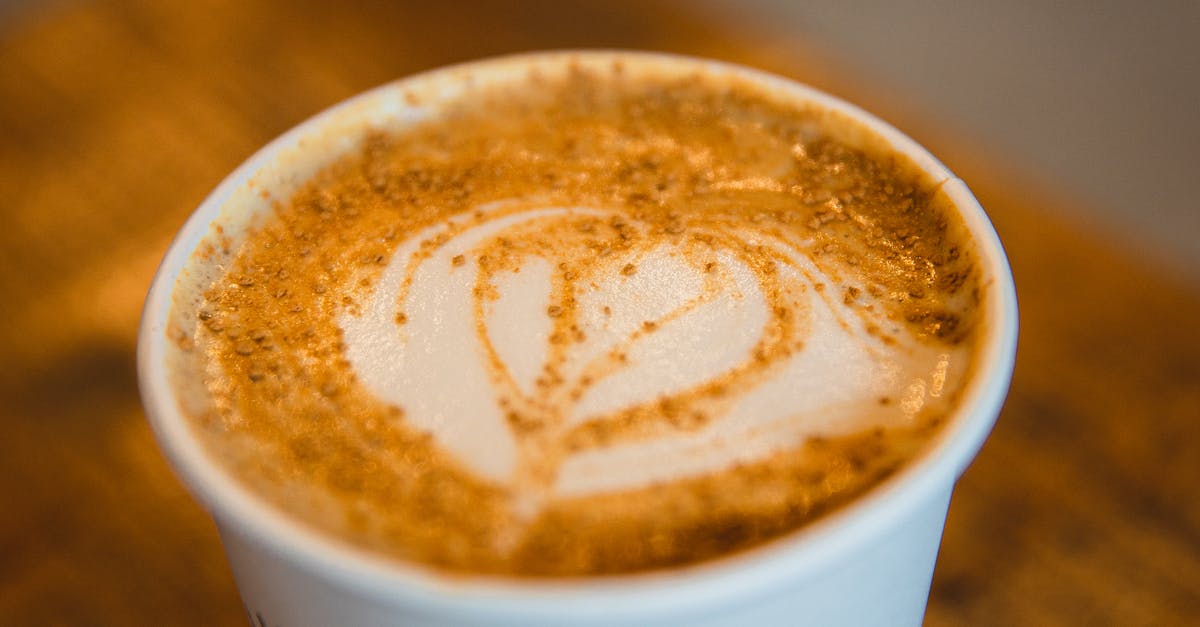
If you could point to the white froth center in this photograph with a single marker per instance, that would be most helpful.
(434, 365)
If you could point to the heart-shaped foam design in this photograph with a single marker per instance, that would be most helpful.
(547, 359)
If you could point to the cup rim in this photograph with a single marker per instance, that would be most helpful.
(793, 556)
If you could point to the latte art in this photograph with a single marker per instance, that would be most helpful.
(544, 360)
(579, 320)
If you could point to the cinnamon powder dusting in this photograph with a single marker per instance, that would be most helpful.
(713, 166)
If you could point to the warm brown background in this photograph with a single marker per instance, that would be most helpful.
(116, 118)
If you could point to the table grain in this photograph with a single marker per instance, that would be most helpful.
(117, 118)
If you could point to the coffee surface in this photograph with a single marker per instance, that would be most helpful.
(585, 322)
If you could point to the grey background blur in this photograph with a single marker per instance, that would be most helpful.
(1098, 99)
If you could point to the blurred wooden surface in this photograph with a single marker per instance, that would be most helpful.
(117, 118)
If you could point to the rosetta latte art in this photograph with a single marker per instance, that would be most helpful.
(549, 361)
(583, 319)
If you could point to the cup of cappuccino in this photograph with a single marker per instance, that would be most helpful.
(581, 338)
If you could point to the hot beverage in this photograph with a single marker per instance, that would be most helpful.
(592, 317)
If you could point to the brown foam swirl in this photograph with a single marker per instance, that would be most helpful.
(602, 175)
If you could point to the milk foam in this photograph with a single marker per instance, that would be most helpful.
(671, 333)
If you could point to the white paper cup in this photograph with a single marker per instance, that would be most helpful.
(869, 563)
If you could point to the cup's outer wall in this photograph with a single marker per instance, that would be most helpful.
(885, 583)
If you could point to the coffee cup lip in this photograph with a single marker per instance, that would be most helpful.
(739, 576)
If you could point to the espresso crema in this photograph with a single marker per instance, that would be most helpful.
(590, 318)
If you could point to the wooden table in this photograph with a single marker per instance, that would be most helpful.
(117, 118)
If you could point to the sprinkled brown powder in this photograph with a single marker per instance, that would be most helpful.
(680, 159)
